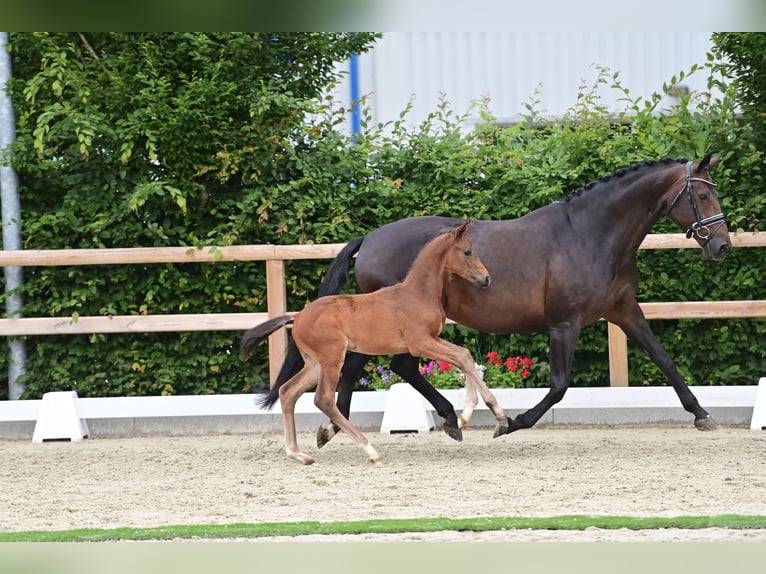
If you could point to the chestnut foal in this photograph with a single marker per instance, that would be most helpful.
(404, 318)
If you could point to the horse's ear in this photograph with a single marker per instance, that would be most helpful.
(462, 228)
(708, 162)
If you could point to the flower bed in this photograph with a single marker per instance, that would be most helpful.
(509, 372)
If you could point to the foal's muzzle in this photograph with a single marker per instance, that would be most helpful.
(484, 281)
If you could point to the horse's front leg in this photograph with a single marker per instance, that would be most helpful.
(563, 339)
(458, 356)
(473, 379)
(632, 321)
(352, 368)
(406, 366)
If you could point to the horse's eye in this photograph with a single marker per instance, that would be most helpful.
(467, 252)
(703, 196)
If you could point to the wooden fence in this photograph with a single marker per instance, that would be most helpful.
(274, 257)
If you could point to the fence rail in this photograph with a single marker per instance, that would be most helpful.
(274, 257)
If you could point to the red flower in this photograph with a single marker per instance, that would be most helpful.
(493, 358)
(444, 366)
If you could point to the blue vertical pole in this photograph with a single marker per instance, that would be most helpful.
(356, 121)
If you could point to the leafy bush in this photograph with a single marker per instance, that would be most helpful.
(244, 162)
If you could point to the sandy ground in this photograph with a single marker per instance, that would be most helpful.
(155, 481)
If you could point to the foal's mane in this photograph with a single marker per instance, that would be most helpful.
(620, 173)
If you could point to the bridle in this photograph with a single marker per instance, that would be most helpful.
(701, 227)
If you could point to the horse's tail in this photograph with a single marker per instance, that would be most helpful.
(260, 332)
(254, 336)
(337, 275)
(336, 278)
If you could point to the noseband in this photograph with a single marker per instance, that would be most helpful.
(701, 227)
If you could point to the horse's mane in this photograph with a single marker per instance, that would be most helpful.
(620, 173)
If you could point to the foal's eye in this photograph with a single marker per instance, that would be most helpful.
(467, 252)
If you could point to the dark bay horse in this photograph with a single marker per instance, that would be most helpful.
(405, 318)
(556, 269)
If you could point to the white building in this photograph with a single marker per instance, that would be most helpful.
(514, 68)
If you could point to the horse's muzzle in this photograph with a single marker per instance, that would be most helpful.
(483, 282)
(716, 250)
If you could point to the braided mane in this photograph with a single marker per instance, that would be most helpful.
(620, 173)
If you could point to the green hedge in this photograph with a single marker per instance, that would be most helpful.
(312, 182)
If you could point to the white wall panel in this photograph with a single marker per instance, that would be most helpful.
(508, 67)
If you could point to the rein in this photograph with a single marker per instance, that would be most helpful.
(700, 224)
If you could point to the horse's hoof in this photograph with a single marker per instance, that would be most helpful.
(501, 428)
(325, 434)
(706, 424)
(454, 433)
(372, 454)
(301, 458)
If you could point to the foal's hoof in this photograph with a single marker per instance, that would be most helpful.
(454, 432)
(706, 424)
(501, 428)
(324, 434)
(301, 458)
(372, 454)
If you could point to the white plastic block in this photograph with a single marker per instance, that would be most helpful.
(406, 411)
(58, 418)
(758, 422)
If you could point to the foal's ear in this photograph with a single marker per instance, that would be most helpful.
(462, 229)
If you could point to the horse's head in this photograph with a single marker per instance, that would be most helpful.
(463, 261)
(695, 208)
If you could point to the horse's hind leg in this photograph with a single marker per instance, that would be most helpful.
(406, 366)
(324, 399)
(352, 368)
(289, 393)
(563, 339)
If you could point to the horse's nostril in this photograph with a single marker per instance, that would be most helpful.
(725, 249)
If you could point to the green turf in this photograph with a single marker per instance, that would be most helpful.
(255, 530)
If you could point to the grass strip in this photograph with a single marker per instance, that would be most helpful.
(391, 526)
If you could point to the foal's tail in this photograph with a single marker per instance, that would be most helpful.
(260, 332)
(337, 277)
(255, 336)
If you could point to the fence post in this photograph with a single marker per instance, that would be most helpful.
(618, 356)
(276, 303)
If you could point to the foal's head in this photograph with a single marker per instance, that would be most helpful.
(462, 260)
(695, 208)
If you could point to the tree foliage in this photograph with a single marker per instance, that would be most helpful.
(199, 139)
(743, 56)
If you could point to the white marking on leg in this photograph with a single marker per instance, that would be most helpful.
(300, 457)
(372, 454)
